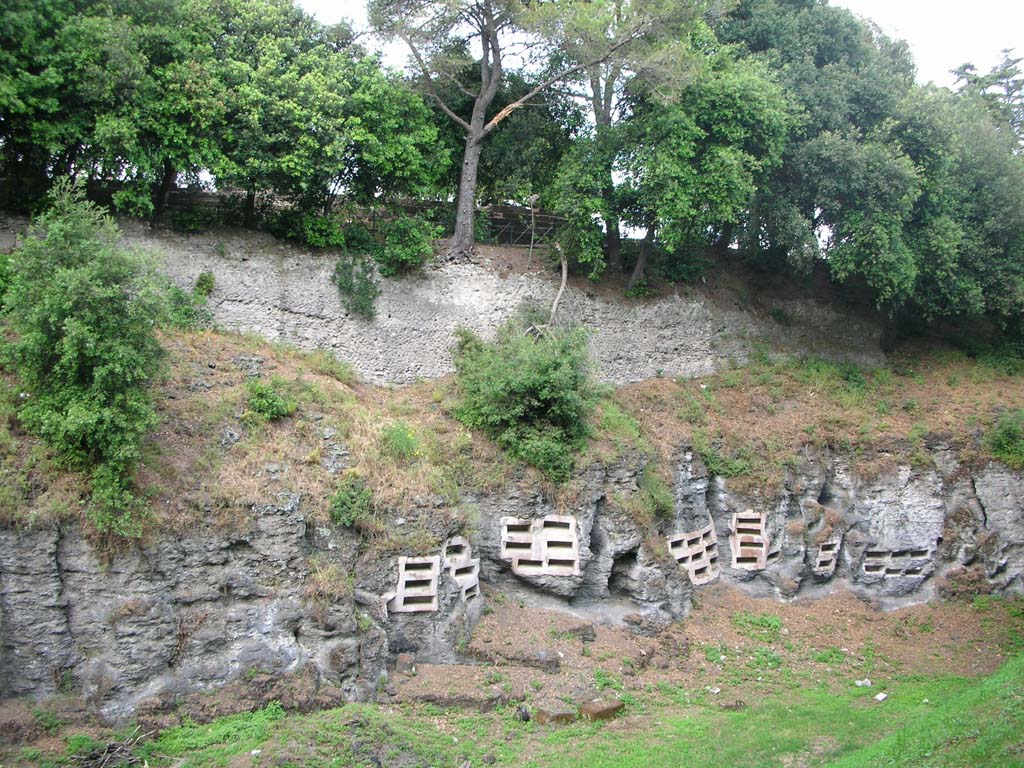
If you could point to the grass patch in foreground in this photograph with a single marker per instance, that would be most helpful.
(924, 722)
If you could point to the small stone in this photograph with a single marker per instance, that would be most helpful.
(390, 689)
(715, 691)
(405, 664)
(399, 521)
(633, 618)
(881, 696)
(600, 709)
(273, 469)
(556, 715)
(584, 632)
(229, 437)
(256, 752)
(489, 759)
(865, 683)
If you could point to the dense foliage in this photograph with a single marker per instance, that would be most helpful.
(790, 132)
(83, 309)
(131, 96)
(530, 393)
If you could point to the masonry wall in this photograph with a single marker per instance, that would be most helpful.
(285, 293)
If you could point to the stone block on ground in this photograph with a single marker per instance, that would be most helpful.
(600, 709)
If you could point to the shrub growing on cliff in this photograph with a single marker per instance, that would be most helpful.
(531, 394)
(1006, 440)
(83, 309)
(408, 244)
(351, 502)
(267, 399)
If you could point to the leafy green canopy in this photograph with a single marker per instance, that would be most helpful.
(255, 91)
(83, 310)
(531, 394)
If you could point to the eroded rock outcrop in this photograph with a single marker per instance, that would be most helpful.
(144, 627)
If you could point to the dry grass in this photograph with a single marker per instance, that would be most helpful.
(756, 421)
(211, 460)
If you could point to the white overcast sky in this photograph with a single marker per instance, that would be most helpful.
(942, 34)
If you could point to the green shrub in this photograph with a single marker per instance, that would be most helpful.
(531, 394)
(399, 441)
(353, 275)
(184, 310)
(1006, 439)
(205, 284)
(717, 464)
(193, 220)
(267, 400)
(83, 310)
(351, 502)
(5, 277)
(657, 494)
(408, 244)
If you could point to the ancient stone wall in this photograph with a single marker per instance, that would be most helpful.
(286, 293)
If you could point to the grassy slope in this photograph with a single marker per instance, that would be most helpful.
(750, 423)
(940, 721)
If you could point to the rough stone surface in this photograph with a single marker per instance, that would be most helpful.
(600, 709)
(285, 293)
(896, 537)
(554, 715)
(177, 616)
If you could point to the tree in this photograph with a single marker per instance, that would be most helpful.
(108, 92)
(845, 79)
(1002, 91)
(309, 116)
(83, 312)
(440, 34)
(661, 61)
(690, 166)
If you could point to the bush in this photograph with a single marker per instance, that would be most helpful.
(1006, 440)
(399, 441)
(204, 285)
(353, 275)
(531, 394)
(5, 278)
(193, 220)
(83, 310)
(408, 244)
(266, 399)
(351, 502)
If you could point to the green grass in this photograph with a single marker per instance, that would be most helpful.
(925, 723)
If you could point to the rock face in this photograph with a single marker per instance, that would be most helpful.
(894, 539)
(177, 616)
(145, 627)
(287, 294)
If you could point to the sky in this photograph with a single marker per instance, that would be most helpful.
(942, 34)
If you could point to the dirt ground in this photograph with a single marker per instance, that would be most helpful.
(548, 658)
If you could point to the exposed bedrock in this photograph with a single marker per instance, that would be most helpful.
(142, 628)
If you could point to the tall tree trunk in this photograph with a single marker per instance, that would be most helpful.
(463, 240)
(725, 238)
(641, 259)
(613, 244)
(167, 178)
(249, 215)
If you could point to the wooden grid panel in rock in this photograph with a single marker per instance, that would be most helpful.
(417, 585)
(882, 563)
(543, 546)
(827, 557)
(749, 541)
(697, 552)
(463, 567)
